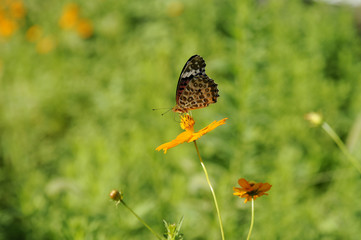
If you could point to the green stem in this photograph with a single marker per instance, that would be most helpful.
(213, 193)
(141, 220)
(252, 221)
(341, 145)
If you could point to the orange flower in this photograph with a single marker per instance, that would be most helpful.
(70, 16)
(251, 189)
(17, 10)
(187, 123)
(70, 20)
(84, 28)
(7, 27)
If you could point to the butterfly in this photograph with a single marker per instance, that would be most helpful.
(195, 89)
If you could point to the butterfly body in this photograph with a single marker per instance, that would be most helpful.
(195, 89)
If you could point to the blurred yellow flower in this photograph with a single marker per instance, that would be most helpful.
(314, 118)
(187, 124)
(33, 34)
(45, 45)
(17, 10)
(70, 20)
(249, 190)
(11, 12)
(70, 16)
(7, 27)
(84, 28)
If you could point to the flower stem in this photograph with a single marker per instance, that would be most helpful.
(341, 145)
(213, 193)
(252, 221)
(141, 220)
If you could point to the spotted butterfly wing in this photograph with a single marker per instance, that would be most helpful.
(195, 89)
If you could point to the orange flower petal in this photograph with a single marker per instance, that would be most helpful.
(243, 183)
(265, 187)
(181, 138)
(248, 198)
(238, 191)
(207, 129)
(256, 186)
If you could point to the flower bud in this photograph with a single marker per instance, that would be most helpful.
(116, 195)
(314, 118)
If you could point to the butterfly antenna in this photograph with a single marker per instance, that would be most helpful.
(166, 112)
(156, 109)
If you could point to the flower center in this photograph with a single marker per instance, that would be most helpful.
(187, 122)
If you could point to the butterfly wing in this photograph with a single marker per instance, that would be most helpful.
(199, 93)
(194, 66)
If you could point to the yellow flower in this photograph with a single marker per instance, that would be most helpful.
(70, 20)
(17, 10)
(7, 27)
(33, 33)
(249, 190)
(314, 118)
(187, 124)
(84, 28)
(70, 16)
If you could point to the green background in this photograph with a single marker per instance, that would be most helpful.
(77, 122)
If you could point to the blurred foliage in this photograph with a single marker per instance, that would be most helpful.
(76, 121)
